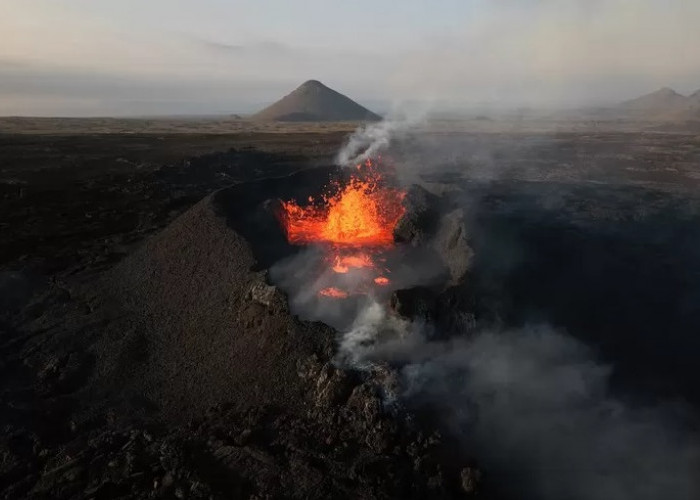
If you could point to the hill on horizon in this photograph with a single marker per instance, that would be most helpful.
(313, 101)
(664, 103)
(695, 97)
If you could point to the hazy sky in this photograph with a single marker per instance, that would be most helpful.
(121, 57)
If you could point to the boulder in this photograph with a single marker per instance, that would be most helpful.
(470, 479)
(424, 224)
(415, 303)
(420, 220)
(451, 243)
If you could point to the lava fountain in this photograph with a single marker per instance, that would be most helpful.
(353, 221)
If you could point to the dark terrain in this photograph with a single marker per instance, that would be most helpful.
(173, 373)
(134, 365)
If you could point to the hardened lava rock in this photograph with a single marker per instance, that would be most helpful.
(428, 222)
(421, 217)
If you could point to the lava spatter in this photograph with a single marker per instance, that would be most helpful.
(353, 221)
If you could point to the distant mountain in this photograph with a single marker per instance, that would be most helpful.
(692, 111)
(664, 99)
(313, 101)
(664, 104)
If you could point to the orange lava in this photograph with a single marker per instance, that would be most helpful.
(354, 222)
(361, 213)
(333, 292)
(342, 264)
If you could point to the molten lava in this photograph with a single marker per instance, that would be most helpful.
(361, 213)
(343, 264)
(333, 292)
(354, 222)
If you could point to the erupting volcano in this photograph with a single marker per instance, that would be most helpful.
(354, 222)
(362, 213)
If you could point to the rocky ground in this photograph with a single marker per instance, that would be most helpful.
(137, 369)
(135, 365)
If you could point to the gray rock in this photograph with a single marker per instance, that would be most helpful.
(420, 220)
(470, 478)
(414, 303)
(451, 243)
(263, 293)
(333, 386)
(366, 402)
(309, 368)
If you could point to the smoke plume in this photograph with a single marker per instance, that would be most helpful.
(535, 407)
(369, 140)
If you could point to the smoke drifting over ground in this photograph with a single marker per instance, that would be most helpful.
(533, 404)
(535, 407)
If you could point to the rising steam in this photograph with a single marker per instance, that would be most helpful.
(370, 140)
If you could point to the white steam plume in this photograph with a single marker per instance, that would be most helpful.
(369, 140)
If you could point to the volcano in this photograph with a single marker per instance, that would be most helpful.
(312, 101)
